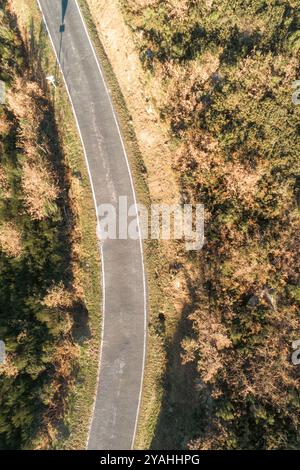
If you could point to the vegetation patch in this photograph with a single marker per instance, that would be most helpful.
(227, 70)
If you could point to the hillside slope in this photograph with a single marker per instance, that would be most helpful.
(226, 70)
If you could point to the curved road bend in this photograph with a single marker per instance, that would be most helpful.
(117, 402)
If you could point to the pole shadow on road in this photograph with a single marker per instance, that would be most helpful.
(64, 6)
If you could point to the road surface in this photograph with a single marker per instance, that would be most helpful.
(114, 420)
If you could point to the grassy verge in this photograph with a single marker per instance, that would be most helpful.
(85, 259)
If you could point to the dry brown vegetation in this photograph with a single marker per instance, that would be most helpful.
(58, 296)
(40, 192)
(10, 239)
(38, 184)
(226, 70)
(28, 102)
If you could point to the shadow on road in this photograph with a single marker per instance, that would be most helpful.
(64, 6)
(62, 27)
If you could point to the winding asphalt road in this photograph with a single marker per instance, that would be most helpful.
(114, 420)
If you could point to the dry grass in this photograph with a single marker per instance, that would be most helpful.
(40, 190)
(5, 191)
(58, 296)
(10, 239)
